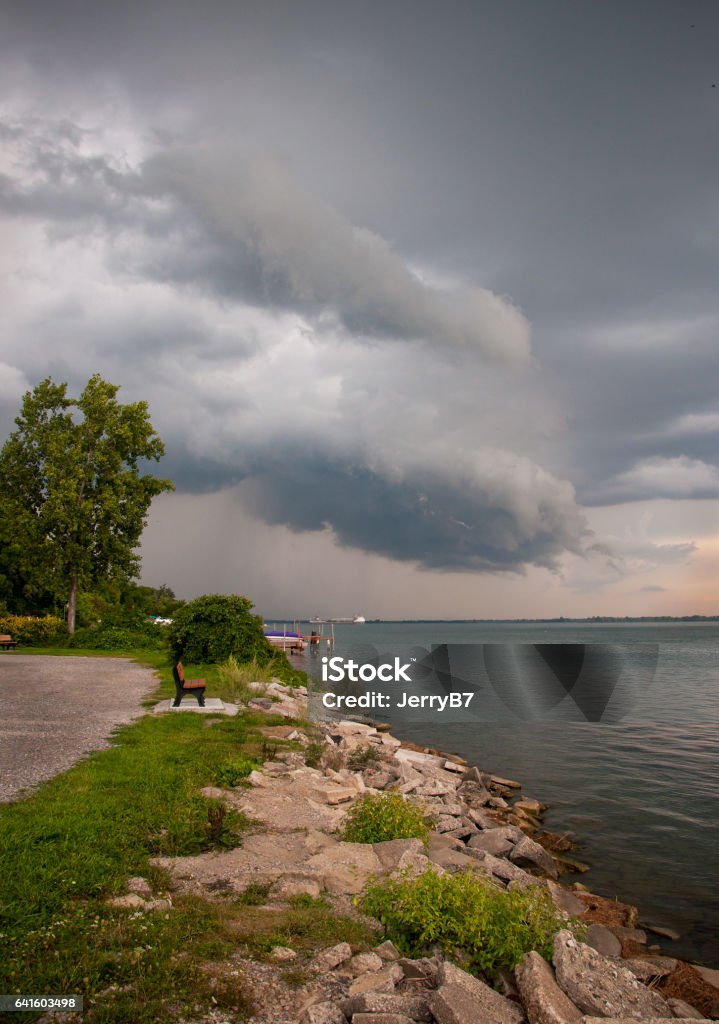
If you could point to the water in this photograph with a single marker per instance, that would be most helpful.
(640, 796)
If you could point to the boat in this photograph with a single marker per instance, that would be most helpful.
(286, 639)
(353, 620)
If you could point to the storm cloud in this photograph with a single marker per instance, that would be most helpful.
(430, 284)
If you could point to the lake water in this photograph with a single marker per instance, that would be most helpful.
(641, 796)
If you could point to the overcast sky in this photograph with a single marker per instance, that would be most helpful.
(422, 296)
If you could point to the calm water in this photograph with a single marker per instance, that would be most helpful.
(640, 796)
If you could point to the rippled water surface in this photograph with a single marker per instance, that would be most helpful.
(641, 796)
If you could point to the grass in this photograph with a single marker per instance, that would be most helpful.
(78, 838)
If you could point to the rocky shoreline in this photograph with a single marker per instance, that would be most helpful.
(482, 824)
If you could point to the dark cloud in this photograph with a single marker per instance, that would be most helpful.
(312, 234)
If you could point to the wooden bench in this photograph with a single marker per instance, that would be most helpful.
(7, 642)
(195, 687)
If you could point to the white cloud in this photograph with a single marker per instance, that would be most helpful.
(661, 477)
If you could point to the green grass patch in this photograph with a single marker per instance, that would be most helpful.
(303, 927)
(466, 915)
(375, 818)
(79, 837)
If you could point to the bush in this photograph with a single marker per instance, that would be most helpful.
(466, 915)
(118, 638)
(30, 631)
(233, 772)
(363, 757)
(377, 818)
(211, 628)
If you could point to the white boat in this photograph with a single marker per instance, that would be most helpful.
(355, 620)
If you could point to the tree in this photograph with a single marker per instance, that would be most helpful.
(211, 628)
(72, 490)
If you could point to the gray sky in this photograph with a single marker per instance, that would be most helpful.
(422, 296)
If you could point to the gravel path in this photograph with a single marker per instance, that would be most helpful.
(56, 710)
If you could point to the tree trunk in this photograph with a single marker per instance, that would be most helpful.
(72, 605)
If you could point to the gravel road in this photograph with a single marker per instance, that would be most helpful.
(56, 710)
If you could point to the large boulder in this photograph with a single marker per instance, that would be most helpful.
(543, 999)
(600, 986)
(463, 999)
(527, 853)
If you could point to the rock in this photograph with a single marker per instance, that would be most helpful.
(418, 759)
(480, 818)
(334, 794)
(632, 1020)
(414, 1006)
(474, 794)
(563, 900)
(475, 775)
(286, 888)
(374, 779)
(140, 886)
(709, 974)
(381, 1018)
(130, 902)
(629, 934)
(256, 778)
(365, 962)
(529, 806)
(682, 1009)
(378, 981)
(282, 954)
(434, 787)
(324, 1013)
(498, 803)
(411, 864)
(506, 870)
(447, 823)
(461, 1004)
(543, 999)
(497, 780)
(463, 832)
(159, 905)
(599, 937)
(425, 969)
(647, 967)
(448, 857)
(213, 793)
(453, 766)
(387, 950)
(666, 933)
(599, 986)
(390, 852)
(345, 867)
(491, 841)
(529, 853)
(330, 958)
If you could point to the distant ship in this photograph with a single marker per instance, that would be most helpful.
(352, 620)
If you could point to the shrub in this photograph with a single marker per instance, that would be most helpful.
(362, 757)
(313, 753)
(31, 631)
(211, 628)
(118, 638)
(235, 677)
(233, 772)
(466, 915)
(377, 818)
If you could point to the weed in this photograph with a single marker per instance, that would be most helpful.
(232, 773)
(295, 977)
(254, 895)
(466, 915)
(363, 757)
(313, 753)
(234, 679)
(377, 818)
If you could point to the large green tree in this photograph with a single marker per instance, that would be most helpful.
(74, 498)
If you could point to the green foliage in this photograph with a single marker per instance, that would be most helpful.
(313, 753)
(231, 773)
(72, 489)
(211, 628)
(361, 757)
(117, 638)
(466, 915)
(375, 818)
(235, 678)
(254, 895)
(30, 631)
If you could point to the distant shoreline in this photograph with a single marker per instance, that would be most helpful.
(600, 619)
